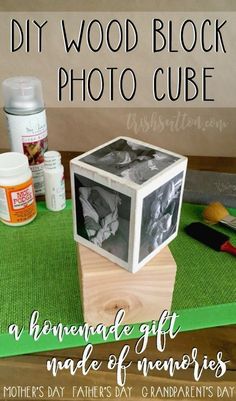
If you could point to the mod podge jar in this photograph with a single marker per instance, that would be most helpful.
(17, 198)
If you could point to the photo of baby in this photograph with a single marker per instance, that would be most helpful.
(103, 216)
(135, 162)
(159, 215)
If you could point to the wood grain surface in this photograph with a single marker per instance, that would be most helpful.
(30, 370)
(106, 288)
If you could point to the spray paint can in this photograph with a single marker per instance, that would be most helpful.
(27, 124)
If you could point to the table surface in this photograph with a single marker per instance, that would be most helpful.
(31, 369)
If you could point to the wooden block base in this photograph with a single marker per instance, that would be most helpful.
(106, 288)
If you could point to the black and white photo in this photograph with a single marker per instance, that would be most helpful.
(131, 160)
(159, 215)
(102, 216)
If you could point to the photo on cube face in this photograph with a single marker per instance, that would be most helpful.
(130, 160)
(102, 216)
(159, 215)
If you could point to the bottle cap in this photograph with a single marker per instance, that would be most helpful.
(22, 94)
(13, 164)
(52, 159)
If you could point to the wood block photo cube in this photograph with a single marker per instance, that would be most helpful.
(105, 288)
(127, 198)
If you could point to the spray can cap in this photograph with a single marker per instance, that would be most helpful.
(22, 94)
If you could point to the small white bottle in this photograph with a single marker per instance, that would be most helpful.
(54, 181)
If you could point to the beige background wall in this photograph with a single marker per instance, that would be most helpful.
(195, 131)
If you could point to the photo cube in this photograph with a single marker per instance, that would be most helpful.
(127, 198)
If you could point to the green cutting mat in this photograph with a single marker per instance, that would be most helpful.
(38, 271)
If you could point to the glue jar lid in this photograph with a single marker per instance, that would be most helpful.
(13, 164)
(22, 94)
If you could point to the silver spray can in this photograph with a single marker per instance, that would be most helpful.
(27, 125)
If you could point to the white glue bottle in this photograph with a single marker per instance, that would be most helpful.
(54, 181)
(27, 125)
